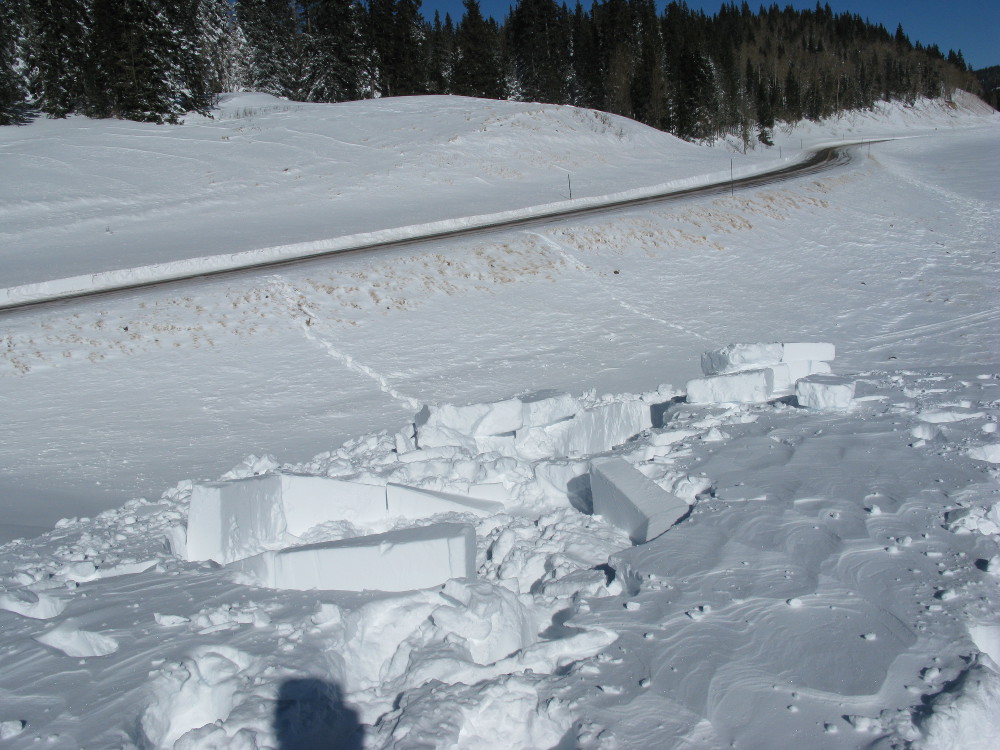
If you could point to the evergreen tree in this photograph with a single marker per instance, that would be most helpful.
(539, 36)
(59, 29)
(13, 92)
(331, 52)
(269, 27)
(478, 68)
(134, 69)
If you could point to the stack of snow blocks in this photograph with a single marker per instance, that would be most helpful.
(757, 373)
(266, 515)
(543, 425)
(404, 560)
(633, 502)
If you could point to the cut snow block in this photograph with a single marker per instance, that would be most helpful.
(806, 351)
(474, 420)
(231, 520)
(737, 357)
(599, 428)
(413, 502)
(401, 560)
(787, 374)
(804, 368)
(747, 387)
(632, 501)
(566, 479)
(308, 501)
(825, 392)
(235, 519)
(541, 409)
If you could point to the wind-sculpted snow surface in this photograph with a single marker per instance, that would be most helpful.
(833, 585)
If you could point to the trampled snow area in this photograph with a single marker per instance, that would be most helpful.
(833, 582)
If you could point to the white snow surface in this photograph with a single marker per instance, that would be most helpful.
(835, 584)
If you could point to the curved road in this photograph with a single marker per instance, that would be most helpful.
(820, 160)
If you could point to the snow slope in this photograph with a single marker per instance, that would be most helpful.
(835, 584)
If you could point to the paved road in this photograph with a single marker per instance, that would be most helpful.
(820, 160)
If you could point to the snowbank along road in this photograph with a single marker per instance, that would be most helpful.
(808, 163)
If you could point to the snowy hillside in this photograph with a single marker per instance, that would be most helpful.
(654, 564)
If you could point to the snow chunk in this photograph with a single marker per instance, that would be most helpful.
(746, 387)
(29, 604)
(825, 392)
(987, 639)
(402, 560)
(475, 420)
(413, 502)
(737, 357)
(989, 453)
(631, 501)
(72, 641)
(803, 352)
(965, 718)
(491, 621)
(11, 728)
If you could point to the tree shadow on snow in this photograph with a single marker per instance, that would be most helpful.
(311, 715)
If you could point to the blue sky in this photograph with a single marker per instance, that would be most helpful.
(972, 26)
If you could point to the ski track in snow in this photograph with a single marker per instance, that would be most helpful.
(309, 321)
(606, 290)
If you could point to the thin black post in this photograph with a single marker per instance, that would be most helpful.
(569, 182)
(732, 188)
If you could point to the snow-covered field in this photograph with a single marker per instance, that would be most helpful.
(834, 584)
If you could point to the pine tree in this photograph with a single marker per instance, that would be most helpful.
(134, 69)
(331, 52)
(477, 61)
(13, 92)
(539, 36)
(269, 28)
(59, 29)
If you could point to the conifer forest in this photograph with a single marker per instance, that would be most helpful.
(734, 73)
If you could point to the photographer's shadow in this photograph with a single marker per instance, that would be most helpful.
(311, 715)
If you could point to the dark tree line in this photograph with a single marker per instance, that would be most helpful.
(989, 79)
(736, 72)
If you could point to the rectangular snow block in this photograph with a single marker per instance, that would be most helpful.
(736, 357)
(414, 502)
(403, 560)
(804, 368)
(800, 351)
(632, 501)
(308, 501)
(541, 409)
(565, 480)
(594, 430)
(231, 520)
(825, 392)
(747, 387)
(235, 519)
(474, 420)
(786, 374)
